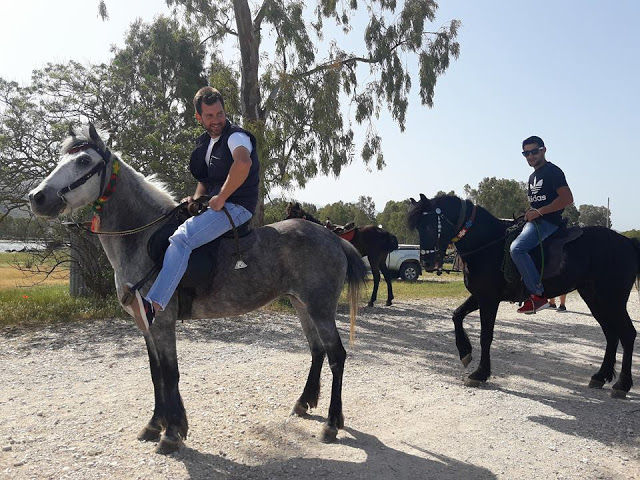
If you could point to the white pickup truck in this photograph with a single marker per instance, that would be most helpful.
(404, 262)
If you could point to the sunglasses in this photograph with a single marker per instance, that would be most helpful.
(535, 151)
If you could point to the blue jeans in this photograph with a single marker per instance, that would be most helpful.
(193, 233)
(530, 238)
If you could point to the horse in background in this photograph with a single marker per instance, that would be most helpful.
(599, 263)
(290, 258)
(371, 241)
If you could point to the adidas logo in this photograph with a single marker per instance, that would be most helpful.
(535, 186)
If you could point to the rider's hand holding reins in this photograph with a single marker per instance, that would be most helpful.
(531, 214)
(216, 203)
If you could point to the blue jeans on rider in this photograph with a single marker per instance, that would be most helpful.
(532, 235)
(193, 233)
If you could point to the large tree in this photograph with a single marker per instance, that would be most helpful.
(296, 85)
(394, 219)
(594, 215)
(502, 197)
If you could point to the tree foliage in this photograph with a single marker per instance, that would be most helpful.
(594, 215)
(504, 198)
(572, 215)
(296, 98)
(394, 219)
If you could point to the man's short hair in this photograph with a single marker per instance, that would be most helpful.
(534, 139)
(208, 95)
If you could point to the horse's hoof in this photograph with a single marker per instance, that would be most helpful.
(329, 434)
(470, 382)
(370, 304)
(618, 393)
(593, 383)
(388, 304)
(466, 360)
(168, 445)
(149, 434)
(299, 409)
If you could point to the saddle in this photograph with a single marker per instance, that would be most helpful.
(552, 251)
(201, 268)
(347, 231)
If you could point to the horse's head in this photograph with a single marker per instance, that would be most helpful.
(79, 178)
(294, 210)
(436, 221)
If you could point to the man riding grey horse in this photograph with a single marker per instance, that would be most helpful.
(225, 164)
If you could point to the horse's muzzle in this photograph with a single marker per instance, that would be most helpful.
(46, 206)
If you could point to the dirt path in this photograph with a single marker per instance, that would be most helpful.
(74, 397)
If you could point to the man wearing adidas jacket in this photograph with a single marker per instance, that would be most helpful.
(548, 195)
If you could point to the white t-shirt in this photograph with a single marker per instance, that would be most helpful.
(236, 139)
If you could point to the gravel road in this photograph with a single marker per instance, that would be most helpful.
(74, 397)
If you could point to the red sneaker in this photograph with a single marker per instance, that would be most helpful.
(533, 304)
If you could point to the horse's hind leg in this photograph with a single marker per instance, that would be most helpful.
(324, 323)
(603, 311)
(311, 392)
(375, 271)
(387, 278)
(627, 339)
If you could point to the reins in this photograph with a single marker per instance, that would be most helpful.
(137, 229)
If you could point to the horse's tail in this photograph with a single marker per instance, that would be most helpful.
(636, 244)
(391, 243)
(356, 277)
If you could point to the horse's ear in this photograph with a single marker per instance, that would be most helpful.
(71, 132)
(93, 134)
(413, 202)
(423, 198)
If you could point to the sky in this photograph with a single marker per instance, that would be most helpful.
(565, 70)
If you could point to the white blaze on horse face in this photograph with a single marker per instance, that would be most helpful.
(70, 168)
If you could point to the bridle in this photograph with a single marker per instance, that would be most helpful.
(461, 226)
(101, 168)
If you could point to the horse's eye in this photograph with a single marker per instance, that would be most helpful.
(83, 160)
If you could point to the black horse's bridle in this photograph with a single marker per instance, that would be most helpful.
(461, 226)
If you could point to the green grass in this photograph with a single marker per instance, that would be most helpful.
(46, 304)
(50, 301)
(429, 285)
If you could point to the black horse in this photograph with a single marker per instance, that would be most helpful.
(600, 264)
(371, 241)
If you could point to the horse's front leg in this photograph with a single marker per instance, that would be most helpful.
(387, 278)
(462, 339)
(488, 312)
(169, 410)
(153, 430)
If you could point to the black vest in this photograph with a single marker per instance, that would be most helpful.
(216, 174)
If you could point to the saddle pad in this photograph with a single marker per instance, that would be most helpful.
(348, 236)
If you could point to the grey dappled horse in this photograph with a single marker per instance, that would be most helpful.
(294, 258)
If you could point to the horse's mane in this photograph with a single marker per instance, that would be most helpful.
(158, 191)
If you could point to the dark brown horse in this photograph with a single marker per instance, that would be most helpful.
(371, 241)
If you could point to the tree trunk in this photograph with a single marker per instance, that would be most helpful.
(249, 44)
